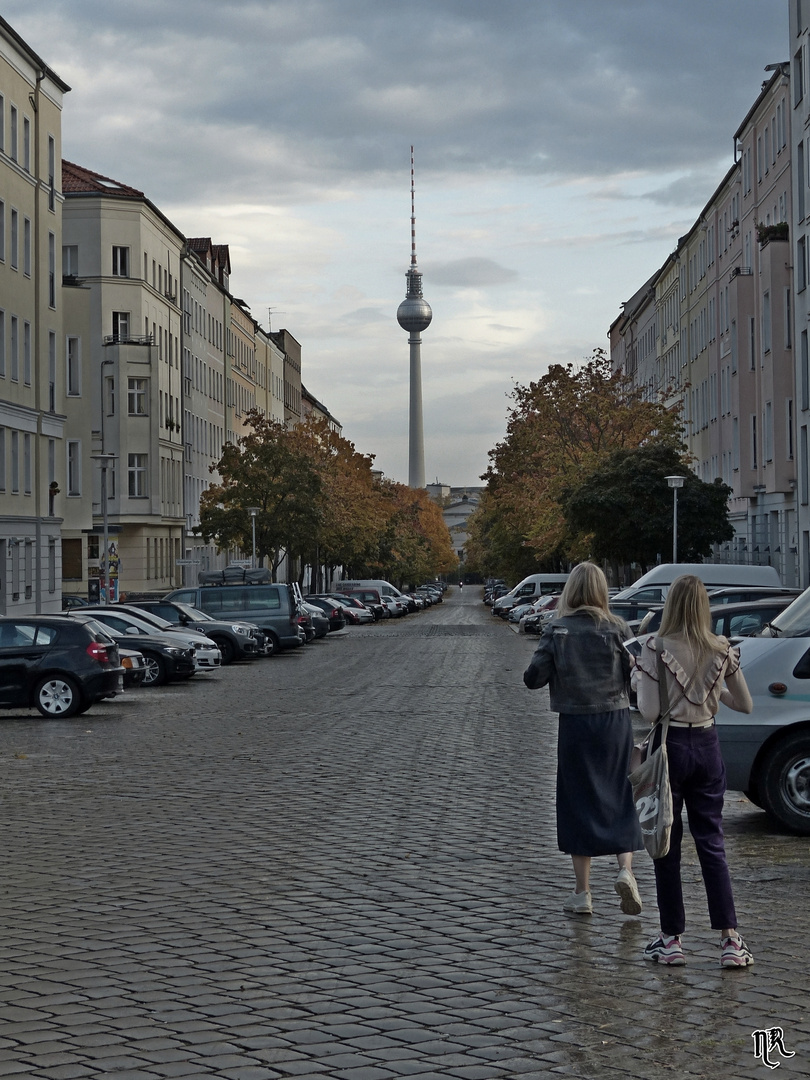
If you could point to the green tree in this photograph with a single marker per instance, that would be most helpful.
(625, 506)
(267, 468)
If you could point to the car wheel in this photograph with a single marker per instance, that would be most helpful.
(783, 782)
(155, 670)
(58, 697)
(227, 650)
(271, 645)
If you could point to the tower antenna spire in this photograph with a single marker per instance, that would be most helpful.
(413, 218)
(414, 315)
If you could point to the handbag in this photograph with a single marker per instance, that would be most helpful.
(652, 794)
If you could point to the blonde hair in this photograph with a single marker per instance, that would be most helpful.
(686, 615)
(587, 590)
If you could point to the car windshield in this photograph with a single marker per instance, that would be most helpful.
(794, 621)
(101, 633)
(150, 619)
(195, 613)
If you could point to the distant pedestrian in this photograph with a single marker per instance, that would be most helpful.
(582, 658)
(701, 670)
(461, 584)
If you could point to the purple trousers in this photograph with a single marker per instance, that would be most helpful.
(697, 776)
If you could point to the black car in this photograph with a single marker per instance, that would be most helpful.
(56, 664)
(165, 662)
(318, 619)
(334, 613)
(236, 640)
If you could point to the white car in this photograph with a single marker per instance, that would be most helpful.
(206, 654)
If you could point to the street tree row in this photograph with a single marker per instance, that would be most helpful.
(581, 473)
(319, 502)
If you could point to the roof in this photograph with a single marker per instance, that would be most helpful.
(36, 60)
(76, 179)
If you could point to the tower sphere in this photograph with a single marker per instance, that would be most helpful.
(414, 315)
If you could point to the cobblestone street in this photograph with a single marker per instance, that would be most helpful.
(342, 863)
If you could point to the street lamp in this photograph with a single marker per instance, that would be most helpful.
(253, 511)
(675, 482)
(106, 461)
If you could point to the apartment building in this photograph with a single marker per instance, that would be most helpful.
(800, 242)
(122, 257)
(724, 338)
(36, 465)
(204, 279)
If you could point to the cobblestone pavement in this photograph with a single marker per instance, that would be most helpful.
(341, 863)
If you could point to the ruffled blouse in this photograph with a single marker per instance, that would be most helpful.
(694, 695)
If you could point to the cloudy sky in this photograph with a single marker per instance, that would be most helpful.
(562, 146)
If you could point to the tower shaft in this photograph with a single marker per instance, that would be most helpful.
(416, 435)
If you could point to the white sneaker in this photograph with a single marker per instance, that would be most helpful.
(579, 903)
(627, 889)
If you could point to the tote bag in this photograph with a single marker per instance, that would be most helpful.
(652, 793)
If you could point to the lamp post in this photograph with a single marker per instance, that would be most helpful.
(253, 511)
(105, 460)
(675, 482)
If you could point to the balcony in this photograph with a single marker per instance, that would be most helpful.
(128, 339)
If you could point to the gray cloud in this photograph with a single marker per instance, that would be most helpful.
(301, 95)
(470, 273)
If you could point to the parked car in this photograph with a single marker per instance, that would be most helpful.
(165, 659)
(69, 601)
(540, 613)
(128, 620)
(730, 620)
(273, 606)
(134, 664)
(56, 664)
(332, 611)
(318, 619)
(235, 640)
(371, 598)
(354, 610)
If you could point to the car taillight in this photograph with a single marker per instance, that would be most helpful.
(302, 619)
(96, 651)
(334, 614)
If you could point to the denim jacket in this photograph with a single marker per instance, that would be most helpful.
(584, 664)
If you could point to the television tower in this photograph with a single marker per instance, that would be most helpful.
(414, 315)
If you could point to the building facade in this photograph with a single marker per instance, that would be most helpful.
(36, 466)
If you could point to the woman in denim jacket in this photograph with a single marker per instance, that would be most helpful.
(582, 658)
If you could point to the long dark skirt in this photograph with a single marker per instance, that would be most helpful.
(595, 811)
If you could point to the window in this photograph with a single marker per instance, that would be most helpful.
(798, 78)
(70, 260)
(13, 132)
(15, 228)
(804, 374)
(74, 467)
(15, 462)
(753, 441)
(120, 261)
(2, 459)
(73, 360)
(789, 428)
(2, 123)
(15, 345)
(136, 471)
(120, 325)
(51, 270)
(767, 434)
(2, 231)
(51, 371)
(137, 397)
(51, 173)
(26, 144)
(27, 353)
(27, 464)
(766, 322)
(72, 559)
(788, 320)
(27, 247)
(801, 264)
(2, 344)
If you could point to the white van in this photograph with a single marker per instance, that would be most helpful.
(384, 588)
(531, 588)
(652, 587)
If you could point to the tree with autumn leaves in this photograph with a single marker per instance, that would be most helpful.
(551, 469)
(319, 502)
